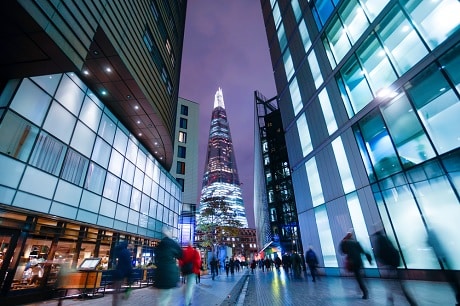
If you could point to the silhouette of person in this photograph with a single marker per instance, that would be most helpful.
(388, 256)
(214, 267)
(122, 271)
(353, 251)
(190, 257)
(296, 264)
(166, 275)
(312, 262)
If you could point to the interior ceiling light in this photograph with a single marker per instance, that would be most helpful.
(85, 72)
(140, 134)
(136, 107)
(138, 122)
(104, 92)
(108, 69)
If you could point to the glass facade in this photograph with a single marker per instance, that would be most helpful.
(377, 151)
(71, 158)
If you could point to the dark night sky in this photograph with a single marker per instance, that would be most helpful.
(225, 46)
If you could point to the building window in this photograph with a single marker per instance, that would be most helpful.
(183, 137)
(181, 151)
(180, 167)
(183, 123)
(181, 182)
(184, 110)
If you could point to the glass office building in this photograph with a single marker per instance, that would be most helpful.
(369, 93)
(88, 97)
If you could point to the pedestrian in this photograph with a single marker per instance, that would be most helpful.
(253, 265)
(227, 266)
(296, 264)
(166, 276)
(214, 267)
(388, 256)
(312, 262)
(232, 266)
(190, 264)
(353, 261)
(445, 262)
(123, 270)
(286, 260)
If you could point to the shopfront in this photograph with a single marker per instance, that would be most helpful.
(34, 249)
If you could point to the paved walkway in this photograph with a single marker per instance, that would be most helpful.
(277, 288)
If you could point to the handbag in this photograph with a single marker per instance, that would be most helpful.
(187, 268)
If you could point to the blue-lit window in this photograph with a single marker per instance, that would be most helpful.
(323, 10)
(297, 10)
(184, 110)
(343, 166)
(337, 41)
(325, 237)
(181, 151)
(95, 178)
(183, 123)
(314, 182)
(74, 167)
(436, 20)
(282, 38)
(438, 106)
(304, 135)
(306, 41)
(328, 113)
(288, 64)
(48, 154)
(400, 39)
(314, 68)
(354, 19)
(182, 137)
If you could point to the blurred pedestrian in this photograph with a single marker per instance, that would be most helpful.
(388, 256)
(286, 261)
(123, 270)
(253, 265)
(445, 262)
(190, 264)
(214, 267)
(166, 276)
(354, 263)
(296, 264)
(312, 262)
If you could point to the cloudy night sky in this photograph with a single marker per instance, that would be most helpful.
(225, 46)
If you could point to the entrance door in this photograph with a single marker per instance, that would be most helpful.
(8, 242)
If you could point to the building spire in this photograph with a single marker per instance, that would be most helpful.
(219, 99)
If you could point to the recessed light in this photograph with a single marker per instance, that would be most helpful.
(140, 134)
(85, 72)
(128, 96)
(95, 52)
(138, 122)
(108, 69)
(136, 107)
(104, 92)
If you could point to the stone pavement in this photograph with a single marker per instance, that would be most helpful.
(278, 288)
(219, 292)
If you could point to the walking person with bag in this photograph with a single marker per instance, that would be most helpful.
(312, 262)
(388, 256)
(190, 266)
(353, 261)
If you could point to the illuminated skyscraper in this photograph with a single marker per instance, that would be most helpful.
(220, 178)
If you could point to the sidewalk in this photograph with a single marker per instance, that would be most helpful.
(278, 288)
(221, 291)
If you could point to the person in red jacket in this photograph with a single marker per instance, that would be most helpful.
(190, 264)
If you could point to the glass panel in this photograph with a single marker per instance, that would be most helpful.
(297, 10)
(107, 129)
(359, 225)
(282, 38)
(70, 95)
(379, 146)
(95, 178)
(409, 228)
(83, 139)
(68, 193)
(356, 85)
(400, 39)
(338, 39)
(31, 102)
(376, 65)
(90, 114)
(438, 107)
(364, 154)
(306, 41)
(101, 152)
(18, 136)
(325, 237)
(131, 151)
(135, 199)
(296, 99)
(116, 163)
(450, 63)
(48, 82)
(343, 166)
(436, 20)
(60, 123)
(314, 68)
(407, 133)
(74, 167)
(121, 141)
(354, 19)
(327, 111)
(441, 210)
(373, 8)
(288, 65)
(138, 178)
(325, 8)
(314, 182)
(14, 170)
(48, 154)
(304, 135)
(125, 193)
(128, 171)
(112, 183)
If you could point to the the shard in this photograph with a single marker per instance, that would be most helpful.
(220, 178)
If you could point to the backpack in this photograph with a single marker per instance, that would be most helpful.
(386, 252)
